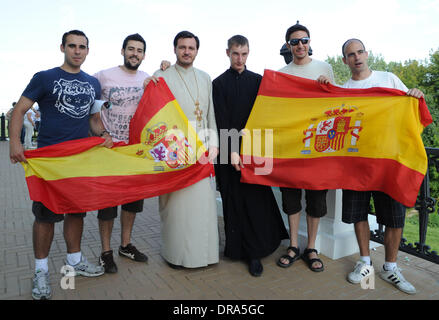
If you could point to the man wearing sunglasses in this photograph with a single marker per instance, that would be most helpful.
(298, 42)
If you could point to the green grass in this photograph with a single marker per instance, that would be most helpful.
(411, 231)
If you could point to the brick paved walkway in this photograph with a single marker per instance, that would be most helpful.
(155, 280)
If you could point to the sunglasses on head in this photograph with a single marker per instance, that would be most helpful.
(295, 42)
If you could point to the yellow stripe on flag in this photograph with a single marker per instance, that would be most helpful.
(123, 160)
(388, 127)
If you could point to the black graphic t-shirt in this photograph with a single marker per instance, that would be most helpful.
(65, 100)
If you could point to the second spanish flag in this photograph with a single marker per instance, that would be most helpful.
(301, 134)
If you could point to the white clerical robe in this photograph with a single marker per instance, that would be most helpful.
(189, 217)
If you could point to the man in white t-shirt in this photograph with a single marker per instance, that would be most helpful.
(123, 87)
(356, 203)
(298, 41)
(29, 126)
(36, 117)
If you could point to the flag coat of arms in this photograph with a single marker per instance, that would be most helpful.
(302, 134)
(164, 154)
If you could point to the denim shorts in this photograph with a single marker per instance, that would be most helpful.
(356, 207)
(315, 201)
(111, 213)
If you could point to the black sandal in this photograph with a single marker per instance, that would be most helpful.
(309, 261)
(289, 258)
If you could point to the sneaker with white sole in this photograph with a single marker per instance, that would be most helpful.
(361, 270)
(40, 286)
(87, 269)
(396, 278)
(132, 253)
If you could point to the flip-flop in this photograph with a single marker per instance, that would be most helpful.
(289, 258)
(309, 261)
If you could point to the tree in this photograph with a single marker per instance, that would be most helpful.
(341, 71)
(377, 62)
(431, 80)
(412, 72)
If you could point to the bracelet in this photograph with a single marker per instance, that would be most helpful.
(103, 132)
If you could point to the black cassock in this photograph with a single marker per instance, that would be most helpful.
(253, 224)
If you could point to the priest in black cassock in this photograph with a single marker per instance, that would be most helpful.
(253, 224)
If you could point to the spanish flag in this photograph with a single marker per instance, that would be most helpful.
(302, 134)
(164, 154)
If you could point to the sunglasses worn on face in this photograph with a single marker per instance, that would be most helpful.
(295, 42)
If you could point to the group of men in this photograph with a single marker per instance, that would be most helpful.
(190, 239)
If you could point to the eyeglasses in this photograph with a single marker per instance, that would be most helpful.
(295, 42)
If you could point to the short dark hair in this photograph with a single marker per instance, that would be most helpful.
(296, 27)
(134, 37)
(343, 47)
(74, 32)
(237, 40)
(184, 35)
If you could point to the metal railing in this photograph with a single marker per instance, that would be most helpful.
(425, 206)
(3, 127)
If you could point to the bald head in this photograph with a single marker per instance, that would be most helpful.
(348, 43)
(355, 57)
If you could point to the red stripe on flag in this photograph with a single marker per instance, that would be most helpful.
(93, 193)
(337, 173)
(279, 84)
(67, 148)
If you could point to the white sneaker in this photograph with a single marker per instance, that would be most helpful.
(40, 286)
(87, 269)
(361, 271)
(396, 278)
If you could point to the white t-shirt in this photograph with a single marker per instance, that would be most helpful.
(312, 70)
(26, 119)
(381, 79)
(35, 115)
(124, 90)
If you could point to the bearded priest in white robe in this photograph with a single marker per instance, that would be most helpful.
(189, 218)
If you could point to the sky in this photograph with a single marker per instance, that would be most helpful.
(31, 30)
